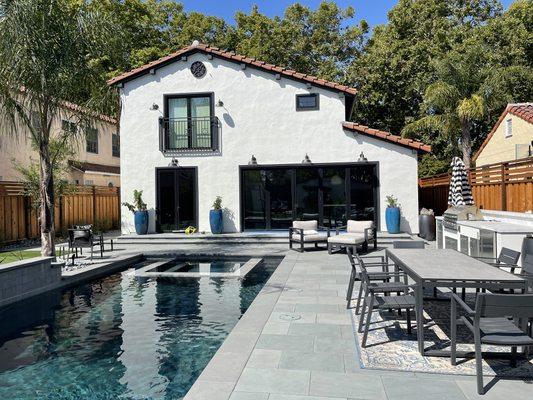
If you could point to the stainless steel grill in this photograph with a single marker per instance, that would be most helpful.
(460, 213)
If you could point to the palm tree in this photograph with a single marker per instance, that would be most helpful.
(453, 104)
(44, 51)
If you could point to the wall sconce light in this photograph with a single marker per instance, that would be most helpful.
(362, 158)
(253, 161)
(173, 162)
(154, 107)
(306, 160)
(220, 103)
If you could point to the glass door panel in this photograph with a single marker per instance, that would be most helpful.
(167, 201)
(334, 196)
(279, 188)
(201, 121)
(186, 183)
(307, 192)
(254, 200)
(178, 124)
(362, 180)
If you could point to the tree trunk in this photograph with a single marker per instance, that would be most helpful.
(46, 217)
(466, 143)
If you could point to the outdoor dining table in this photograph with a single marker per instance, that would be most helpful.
(432, 268)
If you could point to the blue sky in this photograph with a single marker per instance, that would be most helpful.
(374, 11)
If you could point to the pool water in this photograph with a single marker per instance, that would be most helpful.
(204, 265)
(121, 336)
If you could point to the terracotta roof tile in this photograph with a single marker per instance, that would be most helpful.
(233, 57)
(352, 126)
(522, 110)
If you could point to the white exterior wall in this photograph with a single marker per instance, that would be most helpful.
(259, 118)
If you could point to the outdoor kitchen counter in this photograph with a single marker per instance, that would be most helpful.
(497, 226)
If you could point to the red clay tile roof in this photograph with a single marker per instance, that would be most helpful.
(85, 166)
(231, 56)
(365, 130)
(522, 110)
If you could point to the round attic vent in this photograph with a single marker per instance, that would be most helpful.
(198, 69)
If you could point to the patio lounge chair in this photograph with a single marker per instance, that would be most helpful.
(379, 295)
(357, 233)
(493, 323)
(305, 232)
(80, 236)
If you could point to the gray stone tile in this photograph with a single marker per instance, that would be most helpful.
(276, 328)
(315, 330)
(311, 361)
(248, 396)
(334, 345)
(358, 386)
(317, 308)
(293, 317)
(202, 390)
(226, 367)
(502, 389)
(352, 363)
(286, 342)
(264, 358)
(339, 318)
(297, 397)
(239, 342)
(273, 381)
(398, 388)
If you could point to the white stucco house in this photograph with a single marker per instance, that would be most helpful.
(273, 143)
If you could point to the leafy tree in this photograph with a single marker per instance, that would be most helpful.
(43, 60)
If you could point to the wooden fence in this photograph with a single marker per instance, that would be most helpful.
(504, 186)
(97, 205)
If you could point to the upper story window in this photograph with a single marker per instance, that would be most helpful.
(115, 144)
(508, 128)
(91, 137)
(189, 122)
(70, 127)
(307, 102)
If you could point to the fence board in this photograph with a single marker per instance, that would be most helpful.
(99, 206)
(511, 182)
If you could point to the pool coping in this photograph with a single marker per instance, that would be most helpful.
(224, 369)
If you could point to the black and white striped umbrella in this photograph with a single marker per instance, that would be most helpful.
(460, 190)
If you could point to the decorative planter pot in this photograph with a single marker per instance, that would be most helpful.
(392, 218)
(427, 227)
(215, 220)
(141, 222)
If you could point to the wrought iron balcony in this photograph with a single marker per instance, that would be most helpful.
(196, 133)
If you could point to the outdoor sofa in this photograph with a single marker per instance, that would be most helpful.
(306, 232)
(358, 233)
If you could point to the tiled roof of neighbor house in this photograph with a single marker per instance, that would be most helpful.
(521, 110)
(365, 130)
(85, 166)
(231, 56)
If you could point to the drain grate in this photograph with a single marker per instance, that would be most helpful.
(290, 317)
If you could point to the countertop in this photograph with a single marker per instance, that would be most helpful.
(499, 227)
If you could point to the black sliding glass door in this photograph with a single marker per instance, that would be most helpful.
(176, 198)
(272, 197)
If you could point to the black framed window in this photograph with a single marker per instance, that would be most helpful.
(91, 138)
(69, 127)
(115, 145)
(189, 122)
(307, 102)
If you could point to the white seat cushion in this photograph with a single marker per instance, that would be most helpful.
(309, 238)
(306, 225)
(359, 226)
(347, 238)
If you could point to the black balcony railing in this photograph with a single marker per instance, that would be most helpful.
(188, 133)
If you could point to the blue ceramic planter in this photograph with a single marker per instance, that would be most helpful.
(392, 218)
(141, 222)
(215, 220)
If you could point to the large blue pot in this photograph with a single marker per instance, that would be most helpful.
(215, 220)
(141, 222)
(392, 217)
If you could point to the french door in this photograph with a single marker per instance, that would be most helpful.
(176, 198)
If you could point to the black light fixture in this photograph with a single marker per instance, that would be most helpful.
(154, 107)
(306, 160)
(219, 103)
(173, 162)
(253, 161)
(362, 158)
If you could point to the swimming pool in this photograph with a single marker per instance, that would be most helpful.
(122, 336)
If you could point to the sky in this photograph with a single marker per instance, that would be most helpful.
(373, 11)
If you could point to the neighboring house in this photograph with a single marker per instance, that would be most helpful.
(97, 150)
(272, 142)
(510, 139)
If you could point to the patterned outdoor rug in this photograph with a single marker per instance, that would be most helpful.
(389, 347)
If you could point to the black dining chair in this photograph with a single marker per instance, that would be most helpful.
(82, 236)
(498, 320)
(507, 259)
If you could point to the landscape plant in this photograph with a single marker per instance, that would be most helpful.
(138, 203)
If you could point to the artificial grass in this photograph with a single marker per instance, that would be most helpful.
(17, 255)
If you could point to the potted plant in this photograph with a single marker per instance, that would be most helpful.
(392, 214)
(139, 212)
(215, 216)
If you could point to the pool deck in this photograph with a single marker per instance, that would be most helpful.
(295, 342)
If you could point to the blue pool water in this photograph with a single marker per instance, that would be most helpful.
(121, 336)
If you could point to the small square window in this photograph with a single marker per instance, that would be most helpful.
(115, 143)
(70, 127)
(91, 137)
(307, 102)
(509, 128)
